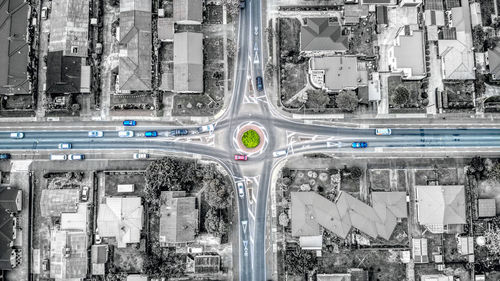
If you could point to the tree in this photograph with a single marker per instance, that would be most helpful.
(493, 241)
(476, 165)
(356, 172)
(169, 174)
(215, 223)
(283, 219)
(299, 262)
(495, 172)
(317, 100)
(168, 265)
(401, 95)
(217, 193)
(347, 101)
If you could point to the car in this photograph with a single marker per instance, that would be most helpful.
(240, 157)
(280, 153)
(76, 157)
(4, 156)
(151, 134)
(383, 132)
(260, 84)
(98, 239)
(17, 135)
(67, 252)
(206, 128)
(96, 134)
(245, 252)
(129, 123)
(64, 145)
(241, 189)
(58, 157)
(85, 193)
(242, 4)
(141, 156)
(361, 144)
(126, 134)
(45, 13)
(179, 132)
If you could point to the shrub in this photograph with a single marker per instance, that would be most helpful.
(250, 139)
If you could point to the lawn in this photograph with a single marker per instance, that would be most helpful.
(362, 37)
(194, 105)
(293, 78)
(414, 101)
(379, 179)
(127, 259)
(458, 97)
(113, 179)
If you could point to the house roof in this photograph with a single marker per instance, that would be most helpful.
(409, 54)
(64, 73)
(6, 237)
(321, 35)
(188, 11)
(72, 266)
(381, 13)
(75, 221)
(441, 204)
(494, 61)
(14, 47)
(57, 201)
(311, 242)
(486, 208)
(165, 29)
(178, 217)
(341, 72)
(135, 45)
(69, 27)
(334, 277)
(206, 264)
(10, 198)
(99, 253)
(420, 250)
(122, 218)
(434, 17)
(434, 5)
(188, 62)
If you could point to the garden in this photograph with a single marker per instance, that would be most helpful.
(406, 96)
(250, 139)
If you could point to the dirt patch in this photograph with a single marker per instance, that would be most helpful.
(379, 179)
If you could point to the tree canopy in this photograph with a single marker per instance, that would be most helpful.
(347, 101)
(317, 100)
(401, 95)
(215, 223)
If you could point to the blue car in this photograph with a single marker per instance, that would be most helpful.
(359, 144)
(151, 134)
(129, 123)
(260, 84)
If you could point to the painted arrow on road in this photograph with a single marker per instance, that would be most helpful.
(244, 224)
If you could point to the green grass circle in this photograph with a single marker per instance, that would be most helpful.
(250, 139)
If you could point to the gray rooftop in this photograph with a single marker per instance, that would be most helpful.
(188, 62)
(188, 11)
(341, 72)
(322, 35)
(178, 217)
(410, 53)
(53, 202)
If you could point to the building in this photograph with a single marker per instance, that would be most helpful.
(125, 188)
(354, 12)
(336, 73)
(436, 277)
(188, 11)
(121, 218)
(188, 62)
(420, 250)
(178, 218)
(203, 264)
(135, 46)
(99, 258)
(494, 62)
(166, 29)
(14, 48)
(322, 35)
(11, 199)
(408, 55)
(440, 207)
(353, 274)
(137, 277)
(67, 74)
(68, 255)
(10, 204)
(410, 3)
(434, 17)
(75, 221)
(58, 201)
(379, 2)
(456, 54)
(311, 211)
(69, 27)
(475, 13)
(486, 208)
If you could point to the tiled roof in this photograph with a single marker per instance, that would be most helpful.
(322, 35)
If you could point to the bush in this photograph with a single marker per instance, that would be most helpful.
(250, 139)
(401, 95)
(347, 101)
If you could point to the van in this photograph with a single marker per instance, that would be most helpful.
(58, 157)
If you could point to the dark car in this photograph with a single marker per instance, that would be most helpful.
(151, 134)
(359, 144)
(129, 123)
(242, 4)
(260, 84)
(179, 132)
(4, 156)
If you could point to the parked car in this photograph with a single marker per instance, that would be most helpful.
(126, 134)
(242, 4)
(239, 157)
(260, 84)
(85, 193)
(76, 157)
(361, 144)
(129, 123)
(241, 189)
(17, 135)
(45, 265)
(151, 134)
(141, 156)
(64, 145)
(179, 132)
(383, 132)
(96, 134)
(4, 156)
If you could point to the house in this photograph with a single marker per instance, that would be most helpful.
(440, 207)
(486, 208)
(434, 17)
(99, 258)
(188, 62)
(475, 13)
(494, 62)
(11, 199)
(14, 48)
(69, 27)
(336, 73)
(188, 11)
(420, 250)
(203, 264)
(311, 211)
(354, 12)
(135, 46)
(178, 218)
(10, 204)
(75, 221)
(322, 35)
(455, 52)
(67, 74)
(58, 201)
(408, 55)
(121, 218)
(166, 29)
(68, 255)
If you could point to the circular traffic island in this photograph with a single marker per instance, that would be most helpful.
(250, 138)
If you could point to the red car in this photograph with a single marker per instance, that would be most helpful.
(240, 157)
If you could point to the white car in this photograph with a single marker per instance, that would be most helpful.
(280, 153)
(383, 132)
(141, 156)
(17, 135)
(64, 145)
(85, 193)
(126, 134)
(96, 134)
(241, 189)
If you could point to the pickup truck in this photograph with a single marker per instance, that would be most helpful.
(179, 132)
